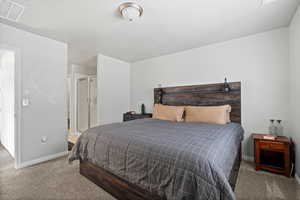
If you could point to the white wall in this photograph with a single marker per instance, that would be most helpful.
(113, 89)
(43, 74)
(7, 100)
(260, 62)
(295, 85)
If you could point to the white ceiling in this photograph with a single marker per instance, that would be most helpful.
(167, 26)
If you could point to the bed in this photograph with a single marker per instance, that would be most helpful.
(158, 159)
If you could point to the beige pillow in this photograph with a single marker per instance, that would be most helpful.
(208, 114)
(172, 113)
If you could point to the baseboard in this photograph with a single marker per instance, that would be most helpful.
(297, 178)
(248, 158)
(43, 159)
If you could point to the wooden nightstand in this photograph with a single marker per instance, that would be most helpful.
(129, 116)
(272, 155)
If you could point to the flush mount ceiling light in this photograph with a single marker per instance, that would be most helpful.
(130, 11)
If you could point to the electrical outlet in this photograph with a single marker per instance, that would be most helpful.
(44, 139)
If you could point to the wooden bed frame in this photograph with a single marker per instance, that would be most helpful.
(196, 95)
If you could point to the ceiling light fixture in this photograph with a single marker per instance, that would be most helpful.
(130, 11)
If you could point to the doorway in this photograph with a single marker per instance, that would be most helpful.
(9, 106)
(86, 101)
(82, 86)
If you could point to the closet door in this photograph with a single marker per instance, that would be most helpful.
(82, 104)
(93, 102)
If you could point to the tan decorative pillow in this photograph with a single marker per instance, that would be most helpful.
(172, 113)
(208, 114)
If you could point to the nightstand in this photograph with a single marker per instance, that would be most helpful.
(272, 155)
(129, 116)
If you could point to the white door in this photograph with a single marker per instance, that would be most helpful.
(7, 101)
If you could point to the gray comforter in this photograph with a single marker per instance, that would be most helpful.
(179, 161)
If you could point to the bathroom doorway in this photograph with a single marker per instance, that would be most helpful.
(86, 101)
(82, 100)
(10, 107)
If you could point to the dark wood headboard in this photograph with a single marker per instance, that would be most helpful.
(203, 95)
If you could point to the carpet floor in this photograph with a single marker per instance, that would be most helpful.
(57, 180)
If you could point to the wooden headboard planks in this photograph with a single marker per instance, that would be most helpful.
(202, 95)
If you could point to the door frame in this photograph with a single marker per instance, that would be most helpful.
(18, 106)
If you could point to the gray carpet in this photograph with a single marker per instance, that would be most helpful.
(57, 180)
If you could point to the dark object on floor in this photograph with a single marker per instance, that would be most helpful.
(70, 146)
